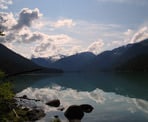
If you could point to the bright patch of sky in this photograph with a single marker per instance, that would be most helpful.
(48, 28)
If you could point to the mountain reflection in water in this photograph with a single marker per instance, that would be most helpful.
(115, 97)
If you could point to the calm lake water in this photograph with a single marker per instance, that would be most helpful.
(116, 97)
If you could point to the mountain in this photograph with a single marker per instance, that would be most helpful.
(12, 63)
(136, 58)
(117, 58)
(75, 62)
(124, 58)
(107, 60)
(138, 63)
(44, 62)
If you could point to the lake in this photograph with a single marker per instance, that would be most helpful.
(116, 97)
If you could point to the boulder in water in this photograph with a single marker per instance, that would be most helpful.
(54, 103)
(74, 112)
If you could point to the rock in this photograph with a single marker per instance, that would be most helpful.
(54, 103)
(35, 114)
(74, 112)
(86, 108)
(24, 97)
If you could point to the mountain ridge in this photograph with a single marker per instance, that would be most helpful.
(12, 63)
(111, 60)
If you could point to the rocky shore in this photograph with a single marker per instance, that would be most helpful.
(73, 113)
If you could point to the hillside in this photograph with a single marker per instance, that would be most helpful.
(12, 63)
(44, 62)
(118, 59)
(75, 62)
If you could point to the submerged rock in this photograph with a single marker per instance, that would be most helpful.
(54, 103)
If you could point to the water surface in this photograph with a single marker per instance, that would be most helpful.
(116, 97)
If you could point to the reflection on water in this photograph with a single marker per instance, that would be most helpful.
(132, 85)
(115, 97)
(108, 107)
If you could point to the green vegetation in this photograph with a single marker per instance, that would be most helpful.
(2, 74)
(8, 108)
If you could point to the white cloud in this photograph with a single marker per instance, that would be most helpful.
(4, 3)
(130, 36)
(140, 35)
(96, 46)
(64, 23)
(57, 45)
(75, 49)
(7, 20)
(116, 43)
(20, 32)
(129, 32)
(29, 28)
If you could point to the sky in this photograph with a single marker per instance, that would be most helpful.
(39, 28)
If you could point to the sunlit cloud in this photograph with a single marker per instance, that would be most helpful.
(5, 3)
(140, 34)
(57, 45)
(22, 31)
(63, 23)
(68, 36)
(128, 32)
(96, 46)
(131, 36)
(8, 21)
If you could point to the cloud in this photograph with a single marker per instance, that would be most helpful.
(55, 46)
(7, 21)
(27, 17)
(96, 46)
(27, 37)
(62, 39)
(4, 3)
(140, 35)
(29, 28)
(42, 47)
(19, 30)
(75, 49)
(128, 32)
(64, 23)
